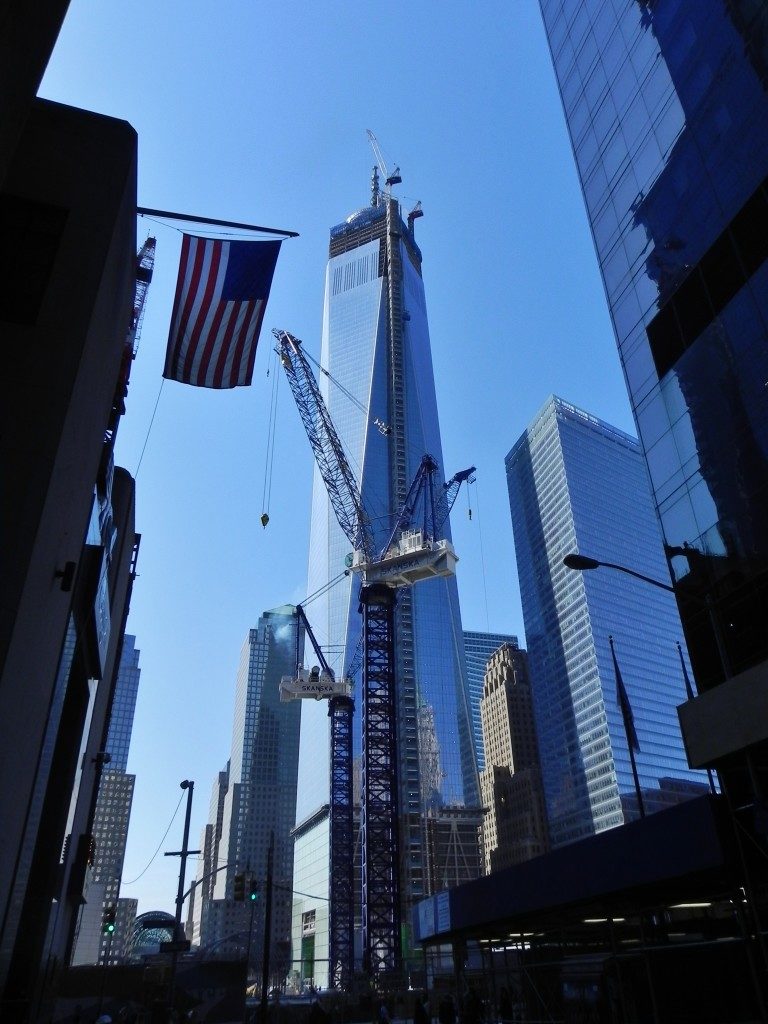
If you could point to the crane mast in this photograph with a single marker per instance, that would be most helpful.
(145, 263)
(413, 553)
(321, 684)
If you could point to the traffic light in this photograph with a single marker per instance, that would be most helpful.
(109, 920)
(238, 890)
(253, 889)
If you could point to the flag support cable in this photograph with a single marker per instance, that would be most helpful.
(145, 211)
(149, 430)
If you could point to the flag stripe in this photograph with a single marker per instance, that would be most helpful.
(260, 310)
(245, 333)
(224, 368)
(195, 272)
(225, 350)
(201, 377)
(203, 299)
(205, 333)
(170, 356)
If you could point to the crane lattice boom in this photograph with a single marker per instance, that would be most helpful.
(329, 454)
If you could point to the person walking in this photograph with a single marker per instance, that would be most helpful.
(420, 1012)
(446, 1010)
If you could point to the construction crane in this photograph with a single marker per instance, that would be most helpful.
(389, 179)
(145, 263)
(320, 683)
(413, 552)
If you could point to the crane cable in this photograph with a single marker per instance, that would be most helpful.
(151, 859)
(321, 591)
(345, 391)
(269, 464)
(482, 554)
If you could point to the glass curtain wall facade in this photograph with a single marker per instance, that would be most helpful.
(667, 108)
(376, 344)
(110, 824)
(478, 648)
(124, 706)
(310, 923)
(256, 798)
(579, 484)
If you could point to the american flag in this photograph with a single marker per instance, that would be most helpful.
(221, 295)
(622, 699)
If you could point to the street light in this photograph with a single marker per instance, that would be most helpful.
(584, 562)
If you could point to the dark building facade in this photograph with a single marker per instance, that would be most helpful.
(667, 108)
(68, 202)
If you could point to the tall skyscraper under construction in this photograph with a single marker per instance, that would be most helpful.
(381, 396)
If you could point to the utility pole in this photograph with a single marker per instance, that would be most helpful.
(183, 854)
(267, 929)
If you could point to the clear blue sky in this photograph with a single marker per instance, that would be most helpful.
(256, 111)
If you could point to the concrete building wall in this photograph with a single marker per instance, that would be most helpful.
(27, 35)
(66, 302)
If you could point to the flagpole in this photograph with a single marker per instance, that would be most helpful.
(630, 743)
(145, 211)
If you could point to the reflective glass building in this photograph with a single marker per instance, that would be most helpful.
(376, 345)
(124, 705)
(110, 825)
(667, 109)
(579, 484)
(478, 648)
(254, 798)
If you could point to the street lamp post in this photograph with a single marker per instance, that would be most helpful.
(182, 854)
(584, 562)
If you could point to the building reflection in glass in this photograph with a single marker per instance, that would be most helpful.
(667, 109)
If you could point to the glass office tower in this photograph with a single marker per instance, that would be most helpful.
(376, 344)
(110, 824)
(478, 648)
(123, 706)
(579, 484)
(667, 110)
(253, 800)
